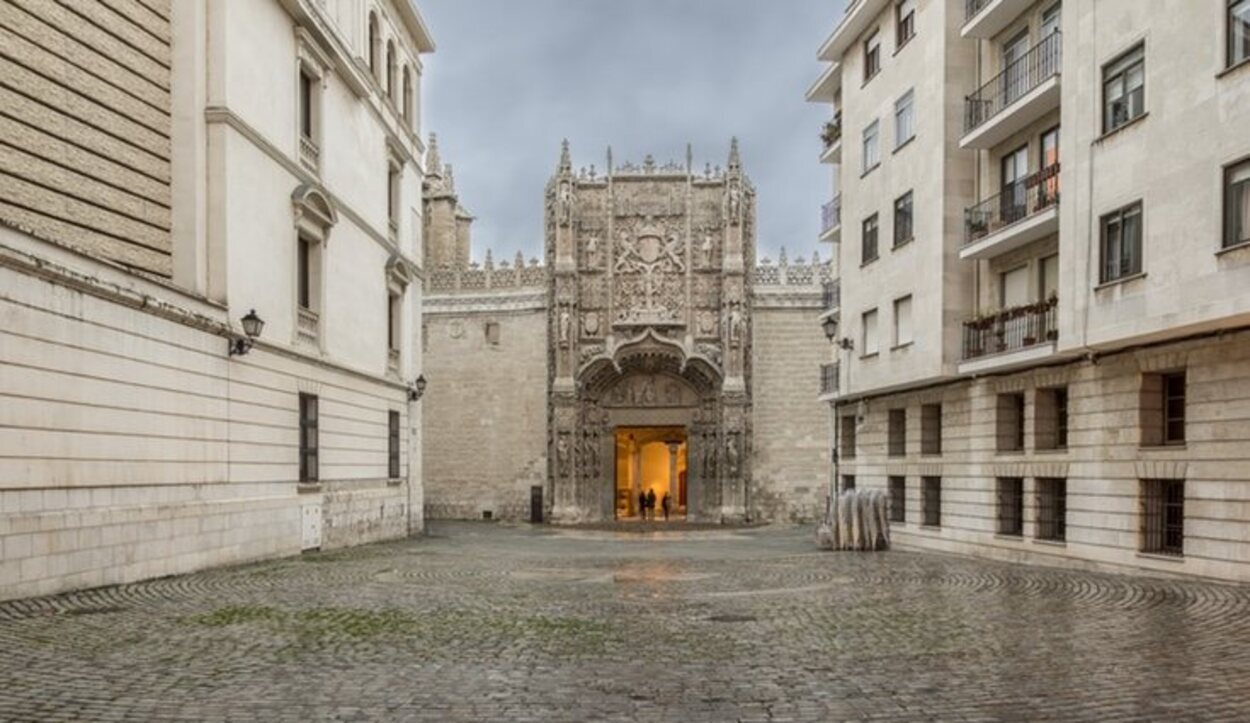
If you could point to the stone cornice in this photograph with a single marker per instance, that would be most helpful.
(529, 300)
(223, 115)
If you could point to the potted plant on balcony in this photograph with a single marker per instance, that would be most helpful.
(830, 133)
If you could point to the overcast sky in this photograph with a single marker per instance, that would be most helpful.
(511, 78)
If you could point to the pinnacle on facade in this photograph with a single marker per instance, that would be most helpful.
(433, 162)
(449, 180)
(566, 162)
(735, 160)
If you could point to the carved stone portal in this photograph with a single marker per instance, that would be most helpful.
(650, 321)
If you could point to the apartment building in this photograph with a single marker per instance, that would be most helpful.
(1041, 331)
(210, 283)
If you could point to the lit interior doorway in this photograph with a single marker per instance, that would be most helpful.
(651, 459)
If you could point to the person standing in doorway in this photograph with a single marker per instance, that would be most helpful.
(642, 505)
(664, 504)
(651, 502)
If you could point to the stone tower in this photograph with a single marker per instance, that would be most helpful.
(447, 223)
(650, 318)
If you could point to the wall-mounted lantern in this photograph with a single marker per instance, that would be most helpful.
(417, 390)
(252, 326)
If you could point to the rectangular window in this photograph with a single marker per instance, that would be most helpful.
(1011, 506)
(902, 321)
(492, 333)
(931, 429)
(847, 431)
(1048, 277)
(1121, 243)
(1124, 89)
(872, 56)
(1050, 424)
(904, 119)
(1163, 516)
(1010, 422)
(870, 344)
(308, 442)
(392, 322)
(872, 147)
(1052, 509)
(898, 433)
(392, 197)
(868, 239)
(931, 501)
(1162, 409)
(305, 105)
(848, 482)
(898, 499)
(905, 28)
(392, 445)
(1237, 201)
(903, 219)
(1238, 31)
(304, 274)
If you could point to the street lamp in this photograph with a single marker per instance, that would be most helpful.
(417, 390)
(252, 326)
(830, 326)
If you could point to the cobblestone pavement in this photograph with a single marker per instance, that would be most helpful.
(489, 622)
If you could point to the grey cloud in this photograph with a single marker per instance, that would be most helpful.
(511, 78)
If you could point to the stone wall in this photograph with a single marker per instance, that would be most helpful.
(1104, 463)
(485, 440)
(85, 130)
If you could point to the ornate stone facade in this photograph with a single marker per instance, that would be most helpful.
(650, 300)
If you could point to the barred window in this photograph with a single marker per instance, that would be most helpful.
(308, 439)
(392, 445)
(848, 482)
(931, 501)
(1052, 509)
(1163, 409)
(931, 429)
(847, 443)
(1050, 421)
(1011, 506)
(1163, 516)
(898, 499)
(898, 433)
(1010, 422)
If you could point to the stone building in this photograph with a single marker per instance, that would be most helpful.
(159, 199)
(647, 353)
(1034, 375)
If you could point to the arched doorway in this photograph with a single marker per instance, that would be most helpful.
(652, 461)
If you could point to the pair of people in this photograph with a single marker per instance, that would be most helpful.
(646, 504)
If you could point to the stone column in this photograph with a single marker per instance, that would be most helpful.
(673, 496)
(635, 472)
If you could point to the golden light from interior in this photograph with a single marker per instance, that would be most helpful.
(650, 458)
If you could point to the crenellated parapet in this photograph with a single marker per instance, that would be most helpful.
(485, 276)
(797, 273)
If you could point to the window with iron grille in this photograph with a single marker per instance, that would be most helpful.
(903, 219)
(1163, 409)
(1121, 243)
(847, 443)
(898, 433)
(869, 239)
(931, 429)
(848, 482)
(1124, 89)
(308, 442)
(1050, 422)
(1052, 509)
(1011, 506)
(898, 499)
(1163, 516)
(1010, 422)
(931, 501)
(392, 445)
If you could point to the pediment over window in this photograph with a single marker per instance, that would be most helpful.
(398, 274)
(314, 212)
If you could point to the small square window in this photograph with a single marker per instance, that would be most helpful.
(1124, 89)
(931, 501)
(1011, 506)
(1121, 243)
(848, 482)
(898, 433)
(898, 499)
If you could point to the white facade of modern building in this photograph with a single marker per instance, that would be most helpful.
(1043, 253)
(167, 168)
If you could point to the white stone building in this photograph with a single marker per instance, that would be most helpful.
(1034, 375)
(165, 169)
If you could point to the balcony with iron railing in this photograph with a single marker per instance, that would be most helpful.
(1026, 90)
(831, 220)
(828, 380)
(832, 295)
(1031, 327)
(831, 139)
(1024, 212)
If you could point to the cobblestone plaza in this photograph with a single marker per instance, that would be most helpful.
(492, 622)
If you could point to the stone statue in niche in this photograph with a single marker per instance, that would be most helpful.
(563, 453)
(705, 250)
(590, 451)
(592, 252)
(565, 326)
(564, 203)
(731, 454)
(672, 393)
(733, 203)
(709, 454)
(733, 324)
